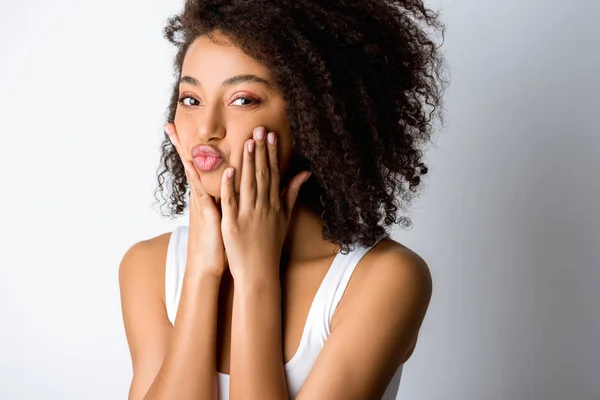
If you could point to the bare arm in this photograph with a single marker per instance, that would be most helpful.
(176, 361)
(257, 370)
(374, 333)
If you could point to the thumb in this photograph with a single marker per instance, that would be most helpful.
(293, 190)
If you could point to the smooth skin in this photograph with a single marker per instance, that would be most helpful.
(254, 229)
(375, 326)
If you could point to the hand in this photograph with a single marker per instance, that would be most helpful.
(205, 250)
(255, 226)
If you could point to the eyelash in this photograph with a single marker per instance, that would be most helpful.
(245, 97)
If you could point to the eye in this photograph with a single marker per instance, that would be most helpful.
(249, 100)
(182, 99)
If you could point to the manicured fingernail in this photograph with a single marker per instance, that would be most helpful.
(168, 133)
(259, 132)
(251, 146)
(271, 138)
(230, 172)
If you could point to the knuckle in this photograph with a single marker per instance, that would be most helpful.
(201, 196)
(230, 200)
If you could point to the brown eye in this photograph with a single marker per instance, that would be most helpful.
(249, 100)
(182, 99)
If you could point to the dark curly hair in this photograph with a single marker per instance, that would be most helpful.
(362, 81)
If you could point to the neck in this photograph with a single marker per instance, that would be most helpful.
(304, 240)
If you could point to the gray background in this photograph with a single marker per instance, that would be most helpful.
(509, 220)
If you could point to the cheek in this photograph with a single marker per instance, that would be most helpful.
(184, 131)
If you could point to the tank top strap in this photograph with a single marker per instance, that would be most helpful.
(336, 281)
(175, 269)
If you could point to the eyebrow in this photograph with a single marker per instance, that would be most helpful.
(234, 80)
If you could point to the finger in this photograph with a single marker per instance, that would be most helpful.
(293, 190)
(274, 168)
(248, 182)
(196, 183)
(229, 204)
(170, 131)
(262, 168)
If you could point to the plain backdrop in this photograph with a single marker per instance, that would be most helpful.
(508, 221)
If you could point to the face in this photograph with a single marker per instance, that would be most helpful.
(212, 111)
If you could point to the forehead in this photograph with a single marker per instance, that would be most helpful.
(212, 62)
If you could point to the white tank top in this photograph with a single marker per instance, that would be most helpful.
(317, 325)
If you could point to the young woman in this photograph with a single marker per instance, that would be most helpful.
(282, 287)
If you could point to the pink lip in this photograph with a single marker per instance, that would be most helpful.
(207, 158)
(206, 151)
(207, 163)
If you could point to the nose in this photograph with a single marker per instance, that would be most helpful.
(210, 125)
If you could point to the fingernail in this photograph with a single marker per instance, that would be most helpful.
(168, 133)
(260, 132)
(271, 137)
(308, 176)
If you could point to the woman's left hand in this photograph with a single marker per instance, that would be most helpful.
(254, 226)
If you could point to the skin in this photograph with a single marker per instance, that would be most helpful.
(224, 119)
(390, 288)
(228, 121)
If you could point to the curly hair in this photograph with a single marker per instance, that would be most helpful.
(362, 82)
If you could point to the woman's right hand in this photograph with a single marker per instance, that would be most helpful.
(205, 250)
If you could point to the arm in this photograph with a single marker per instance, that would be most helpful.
(256, 340)
(176, 361)
(375, 331)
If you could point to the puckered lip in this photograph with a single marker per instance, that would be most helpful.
(206, 150)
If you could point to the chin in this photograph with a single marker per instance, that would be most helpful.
(213, 192)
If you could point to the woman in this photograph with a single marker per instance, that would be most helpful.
(280, 287)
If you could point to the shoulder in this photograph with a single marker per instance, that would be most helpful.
(143, 264)
(384, 305)
(147, 327)
(392, 269)
(145, 255)
(395, 266)
(392, 284)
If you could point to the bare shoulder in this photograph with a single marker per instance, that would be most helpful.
(147, 327)
(156, 246)
(390, 259)
(142, 267)
(391, 283)
(401, 277)
(392, 267)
